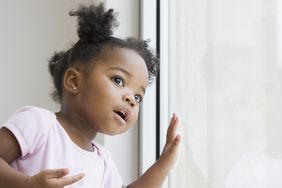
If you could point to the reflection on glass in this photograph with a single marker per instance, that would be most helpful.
(260, 117)
(226, 83)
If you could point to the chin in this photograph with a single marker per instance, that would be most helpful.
(113, 132)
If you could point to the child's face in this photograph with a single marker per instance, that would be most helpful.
(108, 98)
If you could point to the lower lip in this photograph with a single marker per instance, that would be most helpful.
(119, 119)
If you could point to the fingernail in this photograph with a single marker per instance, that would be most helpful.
(65, 170)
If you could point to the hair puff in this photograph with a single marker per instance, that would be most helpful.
(95, 24)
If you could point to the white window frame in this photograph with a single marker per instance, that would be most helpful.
(165, 72)
(147, 147)
(148, 15)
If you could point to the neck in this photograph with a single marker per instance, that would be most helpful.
(78, 130)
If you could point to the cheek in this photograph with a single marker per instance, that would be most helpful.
(97, 92)
(134, 116)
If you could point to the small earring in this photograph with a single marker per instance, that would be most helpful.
(74, 88)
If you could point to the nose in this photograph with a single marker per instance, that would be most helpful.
(130, 100)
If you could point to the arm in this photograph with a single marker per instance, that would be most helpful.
(9, 151)
(156, 174)
(11, 178)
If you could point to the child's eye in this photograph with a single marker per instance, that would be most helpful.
(118, 80)
(138, 98)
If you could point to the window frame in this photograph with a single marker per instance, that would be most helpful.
(155, 114)
(147, 121)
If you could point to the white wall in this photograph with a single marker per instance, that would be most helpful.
(30, 32)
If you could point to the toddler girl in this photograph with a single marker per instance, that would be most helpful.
(99, 82)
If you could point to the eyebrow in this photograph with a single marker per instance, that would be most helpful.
(127, 73)
(122, 70)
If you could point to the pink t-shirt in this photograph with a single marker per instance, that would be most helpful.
(45, 145)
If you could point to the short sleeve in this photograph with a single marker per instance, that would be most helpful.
(29, 126)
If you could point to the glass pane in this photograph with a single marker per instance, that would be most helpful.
(226, 85)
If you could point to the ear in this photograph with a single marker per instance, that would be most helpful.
(71, 80)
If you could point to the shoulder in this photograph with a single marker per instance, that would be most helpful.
(249, 159)
(243, 169)
(30, 118)
(30, 125)
(31, 109)
(31, 113)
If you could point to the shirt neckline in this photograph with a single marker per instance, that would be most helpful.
(85, 152)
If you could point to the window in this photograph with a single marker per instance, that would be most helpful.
(221, 71)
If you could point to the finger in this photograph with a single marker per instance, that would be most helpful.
(177, 139)
(70, 179)
(56, 173)
(172, 129)
(175, 144)
(172, 120)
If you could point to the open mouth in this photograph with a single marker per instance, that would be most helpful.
(122, 114)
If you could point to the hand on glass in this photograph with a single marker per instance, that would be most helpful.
(170, 152)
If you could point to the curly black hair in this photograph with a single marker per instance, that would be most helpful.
(95, 30)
